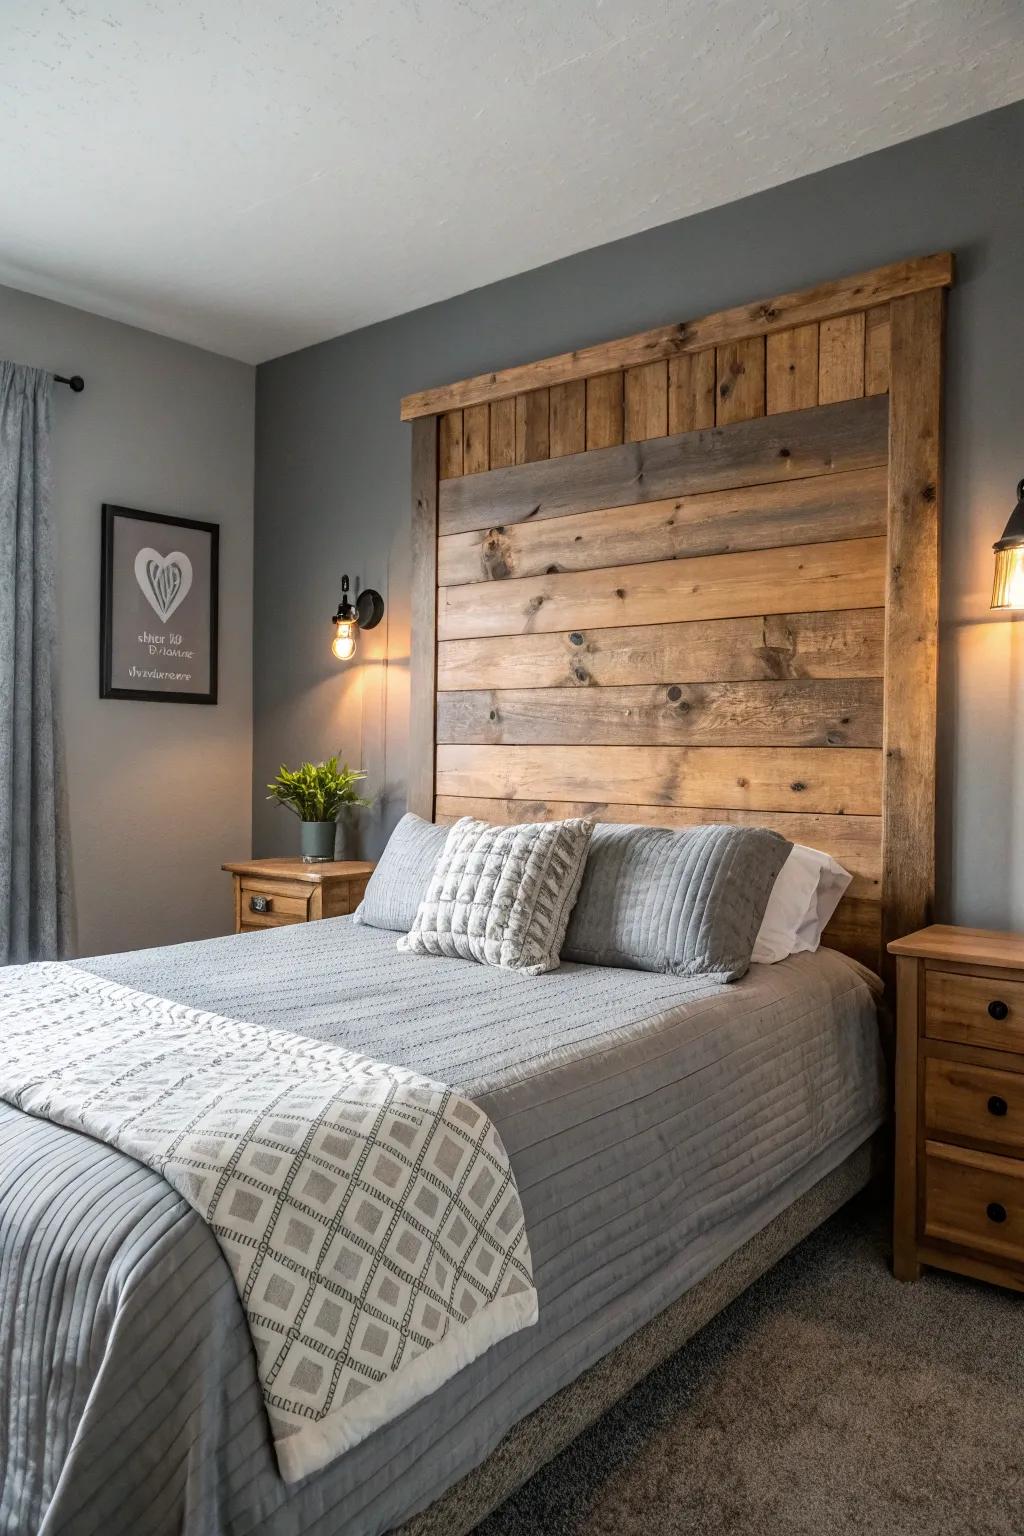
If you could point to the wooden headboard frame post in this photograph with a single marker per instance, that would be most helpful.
(683, 401)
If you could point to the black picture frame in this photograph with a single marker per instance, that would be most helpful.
(108, 597)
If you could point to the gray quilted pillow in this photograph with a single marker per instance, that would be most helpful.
(502, 895)
(399, 883)
(689, 902)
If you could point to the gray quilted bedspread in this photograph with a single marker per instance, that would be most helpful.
(653, 1123)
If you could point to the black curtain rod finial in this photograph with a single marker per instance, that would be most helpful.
(76, 382)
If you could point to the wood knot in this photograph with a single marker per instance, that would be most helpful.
(797, 785)
(784, 453)
(675, 693)
(551, 570)
(928, 493)
(492, 714)
(742, 783)
(575, 638)
(581, 675)
(620, 591)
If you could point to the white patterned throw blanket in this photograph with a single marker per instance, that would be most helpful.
(369, 1215)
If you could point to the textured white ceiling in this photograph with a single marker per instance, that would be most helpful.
(256, 175)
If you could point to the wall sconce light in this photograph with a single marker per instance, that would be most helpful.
(365, 613)
(1008, 586)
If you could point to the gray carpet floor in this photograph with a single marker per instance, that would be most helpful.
(829, 1399)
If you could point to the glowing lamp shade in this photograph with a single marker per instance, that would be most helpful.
(1008, 586)
(344, 642)
(365, 613)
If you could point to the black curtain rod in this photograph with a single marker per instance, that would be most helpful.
(76, 382)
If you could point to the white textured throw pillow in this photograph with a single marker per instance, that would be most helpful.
(502, 895)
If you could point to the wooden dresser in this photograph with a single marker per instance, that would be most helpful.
(270, 893)
(959, 1201)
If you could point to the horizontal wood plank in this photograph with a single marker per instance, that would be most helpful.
(846, 574)
(808, 713)
(816, 510)
(831, 439)
(820, 302)
(757, 779)
(856, 841)
(839, 644)
(856, 929)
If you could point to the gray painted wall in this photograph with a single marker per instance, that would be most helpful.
(160, 793)
(333, 462)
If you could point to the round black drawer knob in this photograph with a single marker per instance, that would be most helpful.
(997, 1009)
(995, 1212)
(996, 1105)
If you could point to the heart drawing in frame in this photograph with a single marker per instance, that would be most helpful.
(165, 580)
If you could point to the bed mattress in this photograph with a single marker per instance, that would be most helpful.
(653, 1123)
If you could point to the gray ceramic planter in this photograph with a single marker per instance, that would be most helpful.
(317, 840)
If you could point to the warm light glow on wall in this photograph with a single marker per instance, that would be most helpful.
(1008, 586)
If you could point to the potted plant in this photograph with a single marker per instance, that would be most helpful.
(317, 793)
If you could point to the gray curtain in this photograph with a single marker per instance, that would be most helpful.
(35, 887)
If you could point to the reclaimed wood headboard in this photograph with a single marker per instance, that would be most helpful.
(692, 575)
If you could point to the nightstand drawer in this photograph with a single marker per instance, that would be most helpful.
(961, 1099)
(975, 1200)
(266, 905)
(974, 1010)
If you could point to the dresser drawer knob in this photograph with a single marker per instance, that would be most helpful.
(259, 904)
(995, 1212)
(998, 1009)
(997, 1105)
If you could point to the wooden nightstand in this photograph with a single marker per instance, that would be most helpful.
(960, 1104)
(269, 893)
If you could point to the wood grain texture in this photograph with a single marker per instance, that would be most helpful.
(960, 1185)
(791, 368)
(533, 441)
(912, 598)
(502, 433)
(846, 574)
(568, 418)
(691, 391)
(855, 841)
(450, 461)
(604, 410)
(958, 1010)
(824, 300)
(957, 1095)
(844, 643)
(876, 350)
(423, 602)
(815, 510)
(476, 455)
(832, 439)
(983, 948)
(905, 1263)
(841, 358)
(646, 402)
(740, 382)
(809, 713)
(815, 779)
(856, 928)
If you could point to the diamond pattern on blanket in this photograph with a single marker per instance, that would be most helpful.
(369, 1216)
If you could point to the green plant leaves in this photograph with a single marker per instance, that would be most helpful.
(317, 791)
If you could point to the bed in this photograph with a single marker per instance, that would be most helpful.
(670, 1138)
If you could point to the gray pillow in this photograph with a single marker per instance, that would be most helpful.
(502, 895)
(399, 883)
(689, 902)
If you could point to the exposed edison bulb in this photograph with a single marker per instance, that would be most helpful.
(344, 643)
(1008, 586)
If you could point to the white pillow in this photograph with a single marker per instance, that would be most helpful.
(805, 895)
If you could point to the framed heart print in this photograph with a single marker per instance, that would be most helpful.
(158, 607)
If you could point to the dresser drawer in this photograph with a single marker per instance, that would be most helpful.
(979, 1103)
(974, 1199)
(272, 904)
(974, 1010)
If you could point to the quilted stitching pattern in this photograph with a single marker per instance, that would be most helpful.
(502, 895)
(400, 881)
(689, 902)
